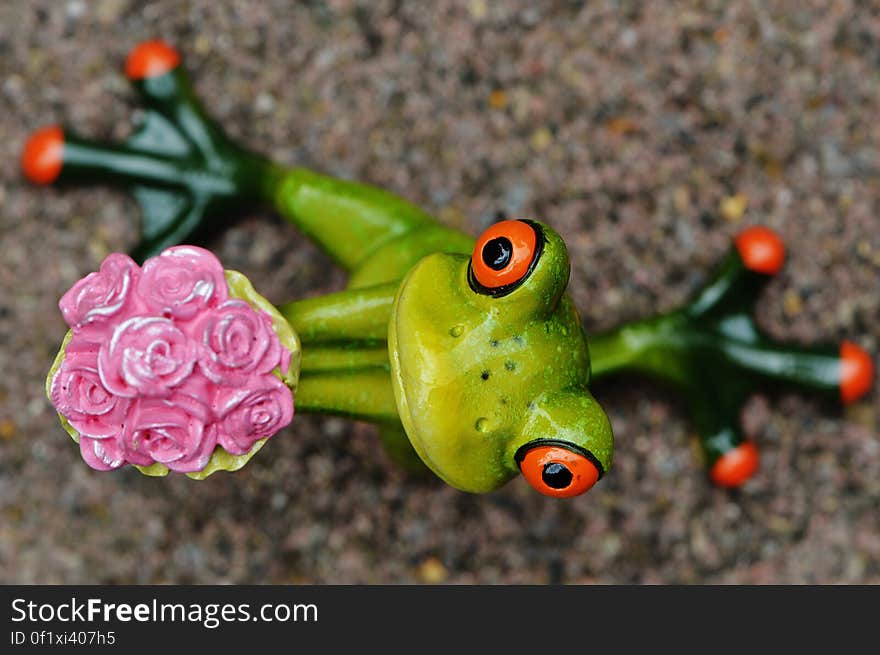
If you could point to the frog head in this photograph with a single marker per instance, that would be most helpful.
(490, 366)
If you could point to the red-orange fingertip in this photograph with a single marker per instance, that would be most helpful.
(151, 59)
(558, 472)
(504, 254)
(735, 466)
(761, 250)
(43, 155)
(856, 372)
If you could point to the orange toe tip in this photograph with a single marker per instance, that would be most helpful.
(856, 372)
(761, 250)
(151, 59)
(43, 155)
(735, 466)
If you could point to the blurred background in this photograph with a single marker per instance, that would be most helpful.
(647, 134)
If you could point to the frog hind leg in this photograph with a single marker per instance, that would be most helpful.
(716, 353)
(374, 235)
(181, 168)
(185, 172)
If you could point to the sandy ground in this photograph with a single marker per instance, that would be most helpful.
(646, 133)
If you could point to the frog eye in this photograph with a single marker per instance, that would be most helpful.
(557, 471)
(504, 256)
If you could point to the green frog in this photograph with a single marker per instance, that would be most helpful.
(468, 354)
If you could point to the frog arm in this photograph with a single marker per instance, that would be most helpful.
(345, 352)
(345, 367)
(716, 354)
(363, 393)
(356, 384)
(353, 315)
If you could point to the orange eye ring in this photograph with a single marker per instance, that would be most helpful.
(504, 256)
(556, 470)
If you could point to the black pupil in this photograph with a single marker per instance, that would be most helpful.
(496, 253)
(556, 475)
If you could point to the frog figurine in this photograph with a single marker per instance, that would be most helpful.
(469, 355)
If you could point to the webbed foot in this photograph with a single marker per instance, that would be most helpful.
(714, 351)
(178, 164)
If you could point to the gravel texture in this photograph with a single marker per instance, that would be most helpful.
(646, 133)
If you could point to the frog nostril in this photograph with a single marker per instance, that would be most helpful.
(556, 475)
(497, 252)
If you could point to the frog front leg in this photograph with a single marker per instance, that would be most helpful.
(345, 369)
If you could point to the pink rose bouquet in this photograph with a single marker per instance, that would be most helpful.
(165, 365)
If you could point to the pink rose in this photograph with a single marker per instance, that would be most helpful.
(237, 343)
(252, 413)
(78, 395)
(195, 395)
(159, 431)
(102, 294)
(146, 356)
(101, 454)
(182, 281)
